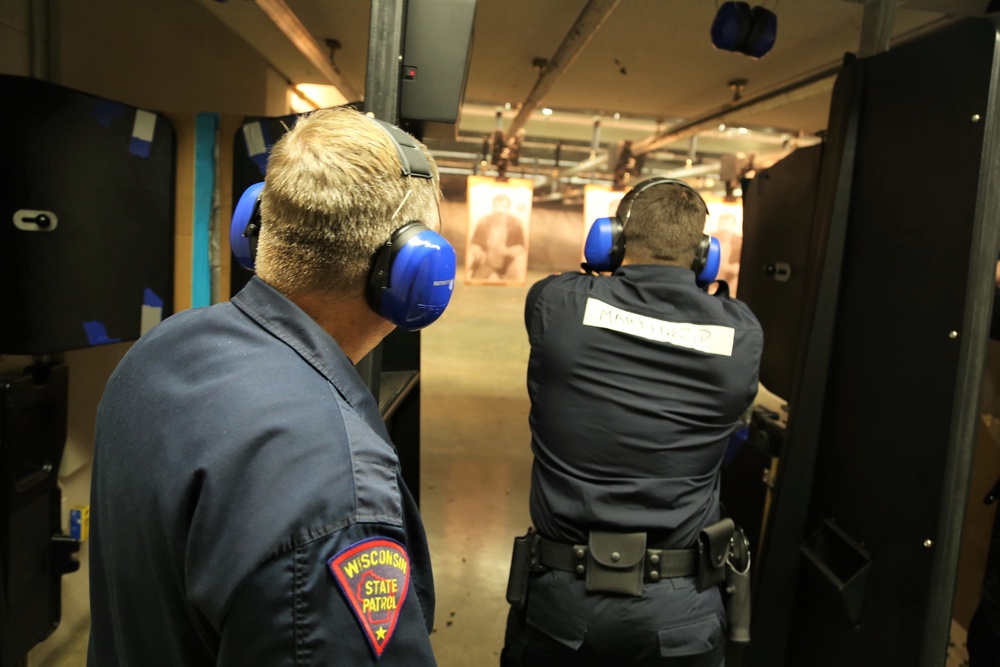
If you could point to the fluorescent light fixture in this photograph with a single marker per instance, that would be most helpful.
(309, 96)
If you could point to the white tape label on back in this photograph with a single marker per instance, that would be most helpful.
(708, 338)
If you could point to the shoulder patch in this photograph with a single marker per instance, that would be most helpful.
(374, 576)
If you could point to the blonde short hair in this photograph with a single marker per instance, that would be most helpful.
(333, 185)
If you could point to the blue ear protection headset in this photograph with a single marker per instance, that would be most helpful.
(245, 227)
(413, 273)
(604, 249)
(740, 28)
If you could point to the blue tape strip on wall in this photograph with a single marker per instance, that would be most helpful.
(206, 131)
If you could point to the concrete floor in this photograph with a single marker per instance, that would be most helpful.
(476, 464)
(475, 472)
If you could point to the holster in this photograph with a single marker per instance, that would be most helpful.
(523, 561)
(616, 562)
(713, 548)
(736, 591)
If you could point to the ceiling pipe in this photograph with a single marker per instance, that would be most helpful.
(815, 84)
(587, 24)
(807, 87)
(705, 168)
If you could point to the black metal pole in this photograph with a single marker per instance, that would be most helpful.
(385, 52)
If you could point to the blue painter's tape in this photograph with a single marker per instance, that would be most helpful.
(205, 134)
(75, 527)
(96, 333)
(150, 299)
(139, 147)
(107, 110)
(142, 133)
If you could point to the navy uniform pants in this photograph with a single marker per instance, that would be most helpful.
(672, 625)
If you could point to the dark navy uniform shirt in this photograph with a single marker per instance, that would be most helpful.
(636, 382)
(247, 502)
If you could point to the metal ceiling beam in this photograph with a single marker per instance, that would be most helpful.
(808, 86)
(587, 24)
(288, 22)
(815, 84)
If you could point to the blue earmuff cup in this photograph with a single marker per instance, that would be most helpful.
(421, 281)
(731, 25)
(597, 248)
(242, 215)
(763, 31)
(712, 263)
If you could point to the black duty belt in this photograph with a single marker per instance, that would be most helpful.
(659, 563)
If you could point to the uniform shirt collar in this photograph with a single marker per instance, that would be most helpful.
(273, 311)
(679, 274)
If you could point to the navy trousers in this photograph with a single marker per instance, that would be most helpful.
(672, 625)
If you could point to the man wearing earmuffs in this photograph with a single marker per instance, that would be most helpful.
(248, 506)
(637, 377)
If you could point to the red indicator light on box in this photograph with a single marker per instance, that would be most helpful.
(409, 73)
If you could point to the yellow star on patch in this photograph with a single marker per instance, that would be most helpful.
(380, 633)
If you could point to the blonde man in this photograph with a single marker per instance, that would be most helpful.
(247, 502)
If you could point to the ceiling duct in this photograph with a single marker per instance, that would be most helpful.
(587, 24)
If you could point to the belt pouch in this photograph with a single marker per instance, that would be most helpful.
(615, 562)
(713, 547)
(523, 559)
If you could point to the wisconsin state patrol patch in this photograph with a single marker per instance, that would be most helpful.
(374, 575)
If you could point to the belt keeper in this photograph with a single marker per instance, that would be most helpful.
(580, 554)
